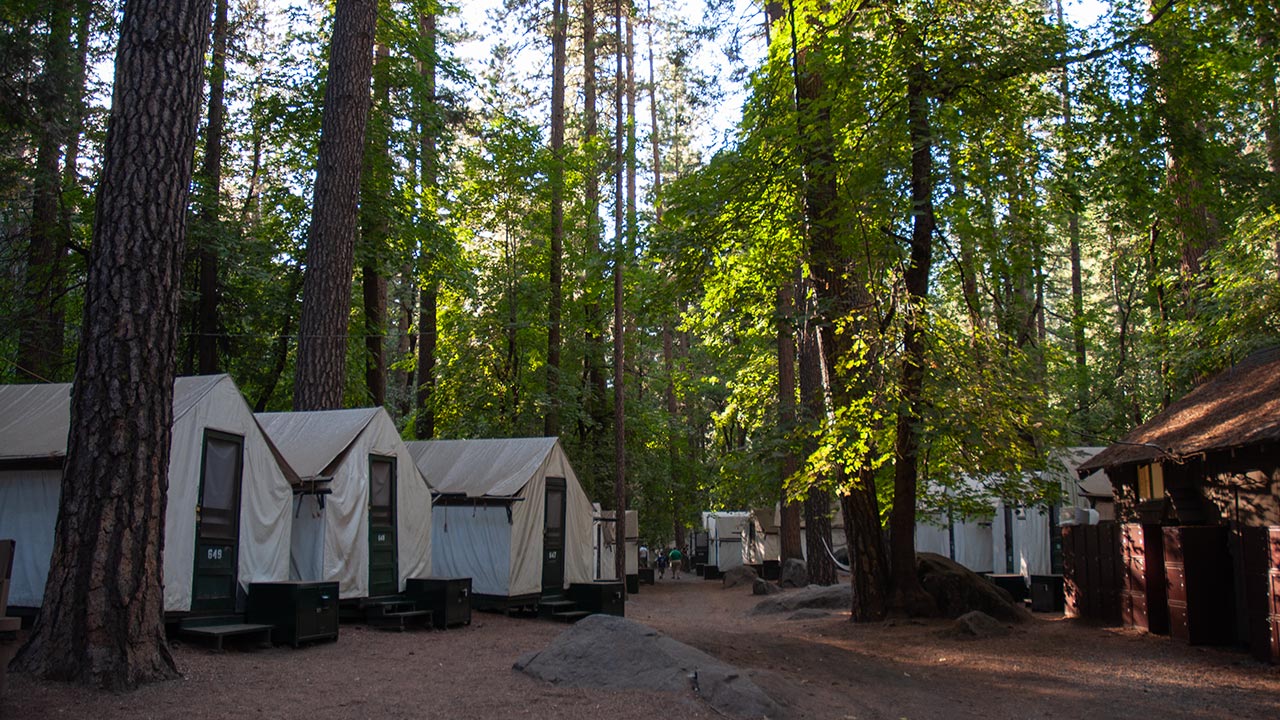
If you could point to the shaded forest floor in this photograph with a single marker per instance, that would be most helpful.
(817, 668)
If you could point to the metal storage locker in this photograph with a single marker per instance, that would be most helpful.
(448, 599)
(298, 611)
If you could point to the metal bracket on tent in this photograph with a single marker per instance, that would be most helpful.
(317, 486)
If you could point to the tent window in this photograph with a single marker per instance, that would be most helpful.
(1151, 482)
(555, 509)
(380, 484)
(220, 479)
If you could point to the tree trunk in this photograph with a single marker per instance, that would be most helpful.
(211, 202)
(817, 504)
(41, 326)
(102, 622)
(425, 418)
(791, 460)
(1073, 236)
(320, 377)
(559, 31)
(837, 291)
(375, 186)
(906, 593)
(280, 349)
(619, 345)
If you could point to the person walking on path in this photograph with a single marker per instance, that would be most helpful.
(662, 564)
(675, 556)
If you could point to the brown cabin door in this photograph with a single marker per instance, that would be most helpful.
(218, 524)
(553, 539)
(384, 576)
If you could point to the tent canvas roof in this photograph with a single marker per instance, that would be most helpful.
(480, 468)
(37, 418)
(1239, 406)
(310, 441)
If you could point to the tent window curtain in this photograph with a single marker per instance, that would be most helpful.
(380, 484)
(220, 478)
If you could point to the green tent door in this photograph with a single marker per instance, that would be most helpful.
(384, 576)
(553, 539)
(218, 524)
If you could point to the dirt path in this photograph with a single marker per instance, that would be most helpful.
(819, 668)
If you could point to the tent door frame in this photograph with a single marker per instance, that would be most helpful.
(553, 538)
(384, 535)
(217, 558)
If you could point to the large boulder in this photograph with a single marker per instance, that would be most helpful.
(741, 575)
(824, 597)
(958, 590)
(587, 655)
(794, 574)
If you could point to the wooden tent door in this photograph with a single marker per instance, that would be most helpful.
(553, 538)
(384, 576)
(218, 524)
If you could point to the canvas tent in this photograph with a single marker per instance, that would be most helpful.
(228, 512)
(724, 538)
(604, 538)
(510, 514)
(762, 537)
(373, 531)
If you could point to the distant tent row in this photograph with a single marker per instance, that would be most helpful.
(332, 495)
(1015, 539)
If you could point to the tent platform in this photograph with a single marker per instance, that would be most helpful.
(219, 629)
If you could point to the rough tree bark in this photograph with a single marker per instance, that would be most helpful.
(102, 622)
(906, 593)
(838, 288)
(375, 228)
(211, 203)
(559, 31)
(326, 287)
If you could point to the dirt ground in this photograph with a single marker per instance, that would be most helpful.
(817, 668)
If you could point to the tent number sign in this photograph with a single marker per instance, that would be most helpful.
(382, 537)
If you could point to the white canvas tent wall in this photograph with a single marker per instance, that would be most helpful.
(604, 538)
(603, 542)
(762, 537)
(331, 543)
(34, 424)
(724, 542)
(973, 541)
(490, 513)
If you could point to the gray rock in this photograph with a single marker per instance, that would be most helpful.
(588, 655)
(978, 624)
(794, 574)
(808, 614)
(741, 575)
(825, 597)
(764, 587)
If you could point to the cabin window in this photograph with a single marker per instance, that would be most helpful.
(1151, 482)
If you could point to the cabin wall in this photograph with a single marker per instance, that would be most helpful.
(1240, 486)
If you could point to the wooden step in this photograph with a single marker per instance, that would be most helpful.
(569, 616)
(217, 633)
(401, 619)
